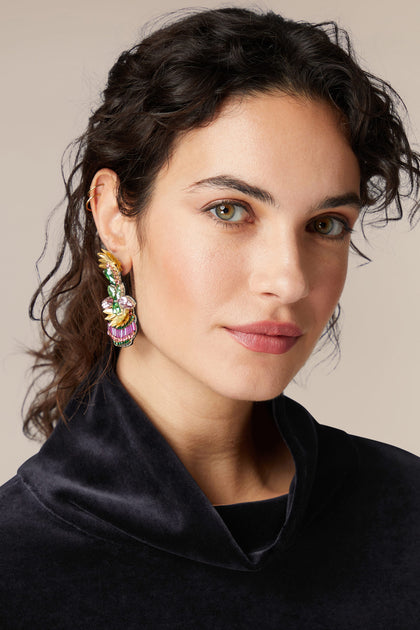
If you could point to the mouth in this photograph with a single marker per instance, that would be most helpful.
(266, 337)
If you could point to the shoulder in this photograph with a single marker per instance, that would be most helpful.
(372, 452)
(386, 469)
(359, 477)
(27, 524)
(391, 474)
(24, 520)
(14, 501)
(374, 457)
(344, 450)
(381, 485)
(45, 563)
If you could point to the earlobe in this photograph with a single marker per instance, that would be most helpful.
(113, 227)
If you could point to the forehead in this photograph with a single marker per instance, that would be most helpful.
(286, 144)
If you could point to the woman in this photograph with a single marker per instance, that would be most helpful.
(219, 182)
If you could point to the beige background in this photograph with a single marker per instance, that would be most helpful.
(55, 56)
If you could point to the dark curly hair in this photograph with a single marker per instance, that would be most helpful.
(174, 80)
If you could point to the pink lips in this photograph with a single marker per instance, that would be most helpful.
(269, 337)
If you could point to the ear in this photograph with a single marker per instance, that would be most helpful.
(114, 228)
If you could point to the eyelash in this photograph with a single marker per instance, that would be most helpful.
(238, 224)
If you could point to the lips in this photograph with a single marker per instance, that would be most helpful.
(267, 337)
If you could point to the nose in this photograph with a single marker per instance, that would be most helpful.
(279, 268)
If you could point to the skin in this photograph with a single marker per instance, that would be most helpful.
(194, 275)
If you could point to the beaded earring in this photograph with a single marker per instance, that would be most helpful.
(118, 308)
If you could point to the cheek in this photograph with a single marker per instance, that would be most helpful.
(328, 292)
(183, 273)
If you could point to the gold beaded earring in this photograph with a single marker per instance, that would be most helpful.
(118, 308)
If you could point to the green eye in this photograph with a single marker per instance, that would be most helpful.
(231, 212)
(324, 226)
(330, 226)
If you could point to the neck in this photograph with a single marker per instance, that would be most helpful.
(230, 447)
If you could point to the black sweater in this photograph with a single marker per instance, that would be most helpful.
(106, 529)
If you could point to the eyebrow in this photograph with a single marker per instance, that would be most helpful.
(227, 181)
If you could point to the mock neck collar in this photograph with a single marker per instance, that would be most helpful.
(109, 471)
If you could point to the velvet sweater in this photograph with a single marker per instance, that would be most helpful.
(105, 528)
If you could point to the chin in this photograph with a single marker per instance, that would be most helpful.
(255, 389)
(257, 379)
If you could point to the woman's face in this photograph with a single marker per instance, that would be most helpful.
(249, 222)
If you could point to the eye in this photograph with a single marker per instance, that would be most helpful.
(330, 226)
(228, 212)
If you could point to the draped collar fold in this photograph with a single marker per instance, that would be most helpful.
(109, 471)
